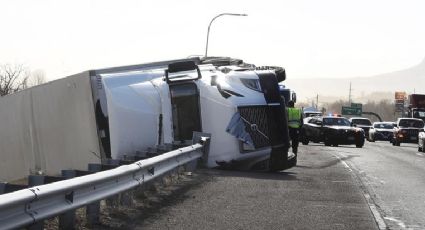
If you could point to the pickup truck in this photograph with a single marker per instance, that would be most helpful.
(407, 130)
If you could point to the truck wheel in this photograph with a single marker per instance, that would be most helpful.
(305, 141)
(396, 143)
(419, 149)
(359, 145)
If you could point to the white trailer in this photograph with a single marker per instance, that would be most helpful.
(124, 111)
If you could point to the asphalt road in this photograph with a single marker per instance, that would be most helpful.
(379, 186)
(322, 192)
(394, 177)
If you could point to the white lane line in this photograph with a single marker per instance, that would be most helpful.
(420, 154)
(398, 222)
(375, 212)
(343, 163)
(378, 217)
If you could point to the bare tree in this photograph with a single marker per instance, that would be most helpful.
(38, 77)
(13, 78)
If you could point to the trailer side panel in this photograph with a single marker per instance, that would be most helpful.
(48, 128)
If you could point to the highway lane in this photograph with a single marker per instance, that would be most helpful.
(320, 193)
(393, 176)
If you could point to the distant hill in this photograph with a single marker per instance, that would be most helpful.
(374, 88)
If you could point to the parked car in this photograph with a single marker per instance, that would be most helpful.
(407, 131)
(381, 131)
(331, 131)
(362, 122)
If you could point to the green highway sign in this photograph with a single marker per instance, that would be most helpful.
(351, 111)
(356, 105)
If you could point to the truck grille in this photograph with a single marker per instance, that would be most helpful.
(386, 134)
(412, 132)
(255, 118)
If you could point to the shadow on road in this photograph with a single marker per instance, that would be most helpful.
(283, 175)
(407, 146)
(322, 145)
(326, 164)
(314, 144)
(339, 146)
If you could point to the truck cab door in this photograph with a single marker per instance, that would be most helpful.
(186, 116)
(185, 102)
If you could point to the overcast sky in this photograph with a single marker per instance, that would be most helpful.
(310, 38)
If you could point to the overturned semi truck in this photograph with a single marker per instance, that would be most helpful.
(124, 111)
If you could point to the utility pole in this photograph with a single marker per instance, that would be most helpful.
(349, 94)
(317, 101)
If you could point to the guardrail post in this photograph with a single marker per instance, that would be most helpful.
(36, 226)
(205, 139)
(93, 209)
(112, 201)
(67, 219)
(126, 198)
(34, 180)
(6, 187)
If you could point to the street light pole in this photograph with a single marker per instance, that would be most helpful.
(209, 26)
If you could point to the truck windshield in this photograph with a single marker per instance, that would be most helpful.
(338, 121)
(361, 122)
(312, 114)
(419, 114)
(383, 126)
(411, 123)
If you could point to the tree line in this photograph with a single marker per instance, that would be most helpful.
(14, 78)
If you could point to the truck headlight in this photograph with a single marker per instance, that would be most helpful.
(253, 84)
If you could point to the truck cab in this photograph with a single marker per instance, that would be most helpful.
(418, 113)
(416, 108)
(239, 104)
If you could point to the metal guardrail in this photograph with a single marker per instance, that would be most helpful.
(32, 205)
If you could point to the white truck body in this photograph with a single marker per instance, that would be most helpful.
(124, 111)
